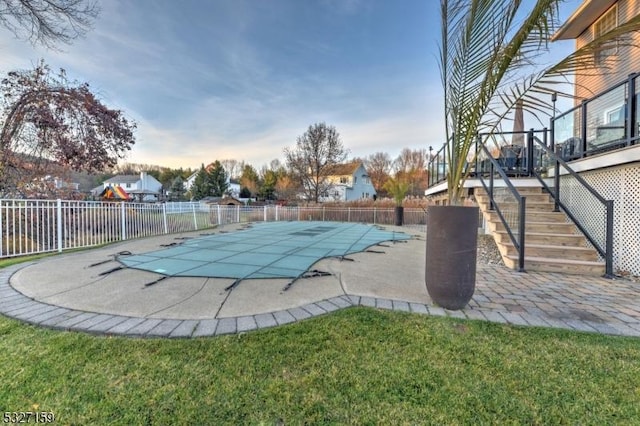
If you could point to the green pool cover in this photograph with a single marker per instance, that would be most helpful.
(264, 250)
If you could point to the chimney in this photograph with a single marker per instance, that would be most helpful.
(143, 180)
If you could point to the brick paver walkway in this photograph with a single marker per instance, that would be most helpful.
(590, 304)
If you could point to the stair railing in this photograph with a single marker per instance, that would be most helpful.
(604, 249)
(495, 167)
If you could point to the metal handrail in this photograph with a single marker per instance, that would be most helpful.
(518, 244)
(631, 135)
(607, 251)
(434, 166)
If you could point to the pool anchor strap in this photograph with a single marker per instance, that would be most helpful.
(114, 258)
(307, 274)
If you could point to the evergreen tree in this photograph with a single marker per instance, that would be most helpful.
(201, 187)
(177, 189)
(218, 180)
(245, 192)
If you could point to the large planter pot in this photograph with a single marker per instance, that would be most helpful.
(452, 243)
(398, 215)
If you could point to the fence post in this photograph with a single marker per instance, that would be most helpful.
(265, 213)
(59, 227)
(348, 214)
(583, 131)
(530, 153)
(219, 215)
(609, 240)
(374, 215)
(522, 233)
(195, 220)
(298, 207)
(1, 227)
(277, 212)
(323, 213)
(164, 215)
(238, 213)
(556, 186)
(630, 107)
(123, 218)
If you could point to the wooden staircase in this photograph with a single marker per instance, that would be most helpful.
(552, 241)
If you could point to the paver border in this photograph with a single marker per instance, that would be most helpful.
(16, 305)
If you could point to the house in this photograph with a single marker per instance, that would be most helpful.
(597, 139)
(142, 187)
(599, 136)
(348, 182)
(592, 19)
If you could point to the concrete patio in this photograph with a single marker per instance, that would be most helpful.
(65, 292)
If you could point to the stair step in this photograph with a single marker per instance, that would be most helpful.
(513, 206)
(537, 227)
(532, 216)
(522, 190)
(531, 198)
(566, 266)
(557, 252)
(553, 243)
(573, 240)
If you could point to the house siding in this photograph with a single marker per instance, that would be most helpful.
(361, 187)
(355, 186)
(627, 61)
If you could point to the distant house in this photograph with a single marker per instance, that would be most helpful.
(234, 188)
(142, 187)
(348, 182)
(188, 184)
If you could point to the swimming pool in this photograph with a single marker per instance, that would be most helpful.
(262, 250)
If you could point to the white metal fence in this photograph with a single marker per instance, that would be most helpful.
(40, 226)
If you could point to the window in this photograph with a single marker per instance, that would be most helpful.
(607, 22)
(355, 180)
(615, 115)
(344, 179)
(127, 185)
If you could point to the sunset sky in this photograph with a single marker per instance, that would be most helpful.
(241, 79)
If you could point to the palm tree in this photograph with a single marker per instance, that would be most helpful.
(487, 64)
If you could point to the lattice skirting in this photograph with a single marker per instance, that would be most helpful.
(622, 185)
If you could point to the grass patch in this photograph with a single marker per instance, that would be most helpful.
(358, 365)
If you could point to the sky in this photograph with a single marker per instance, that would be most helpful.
(242, 79)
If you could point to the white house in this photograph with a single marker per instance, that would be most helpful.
(348, 182)
(142, 187)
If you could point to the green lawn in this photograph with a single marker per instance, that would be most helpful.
(359, 366)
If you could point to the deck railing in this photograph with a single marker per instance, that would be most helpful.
(606, 122)
(41, 226)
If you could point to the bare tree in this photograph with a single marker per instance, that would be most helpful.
(378, 167)
(52, 124)
(411, 166)
(48, 22)
(286, 187)
(316, 151)
(233, 167)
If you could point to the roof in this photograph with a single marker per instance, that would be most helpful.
(588, 12)
(123, 179)
(226, 200)
(343, 169)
